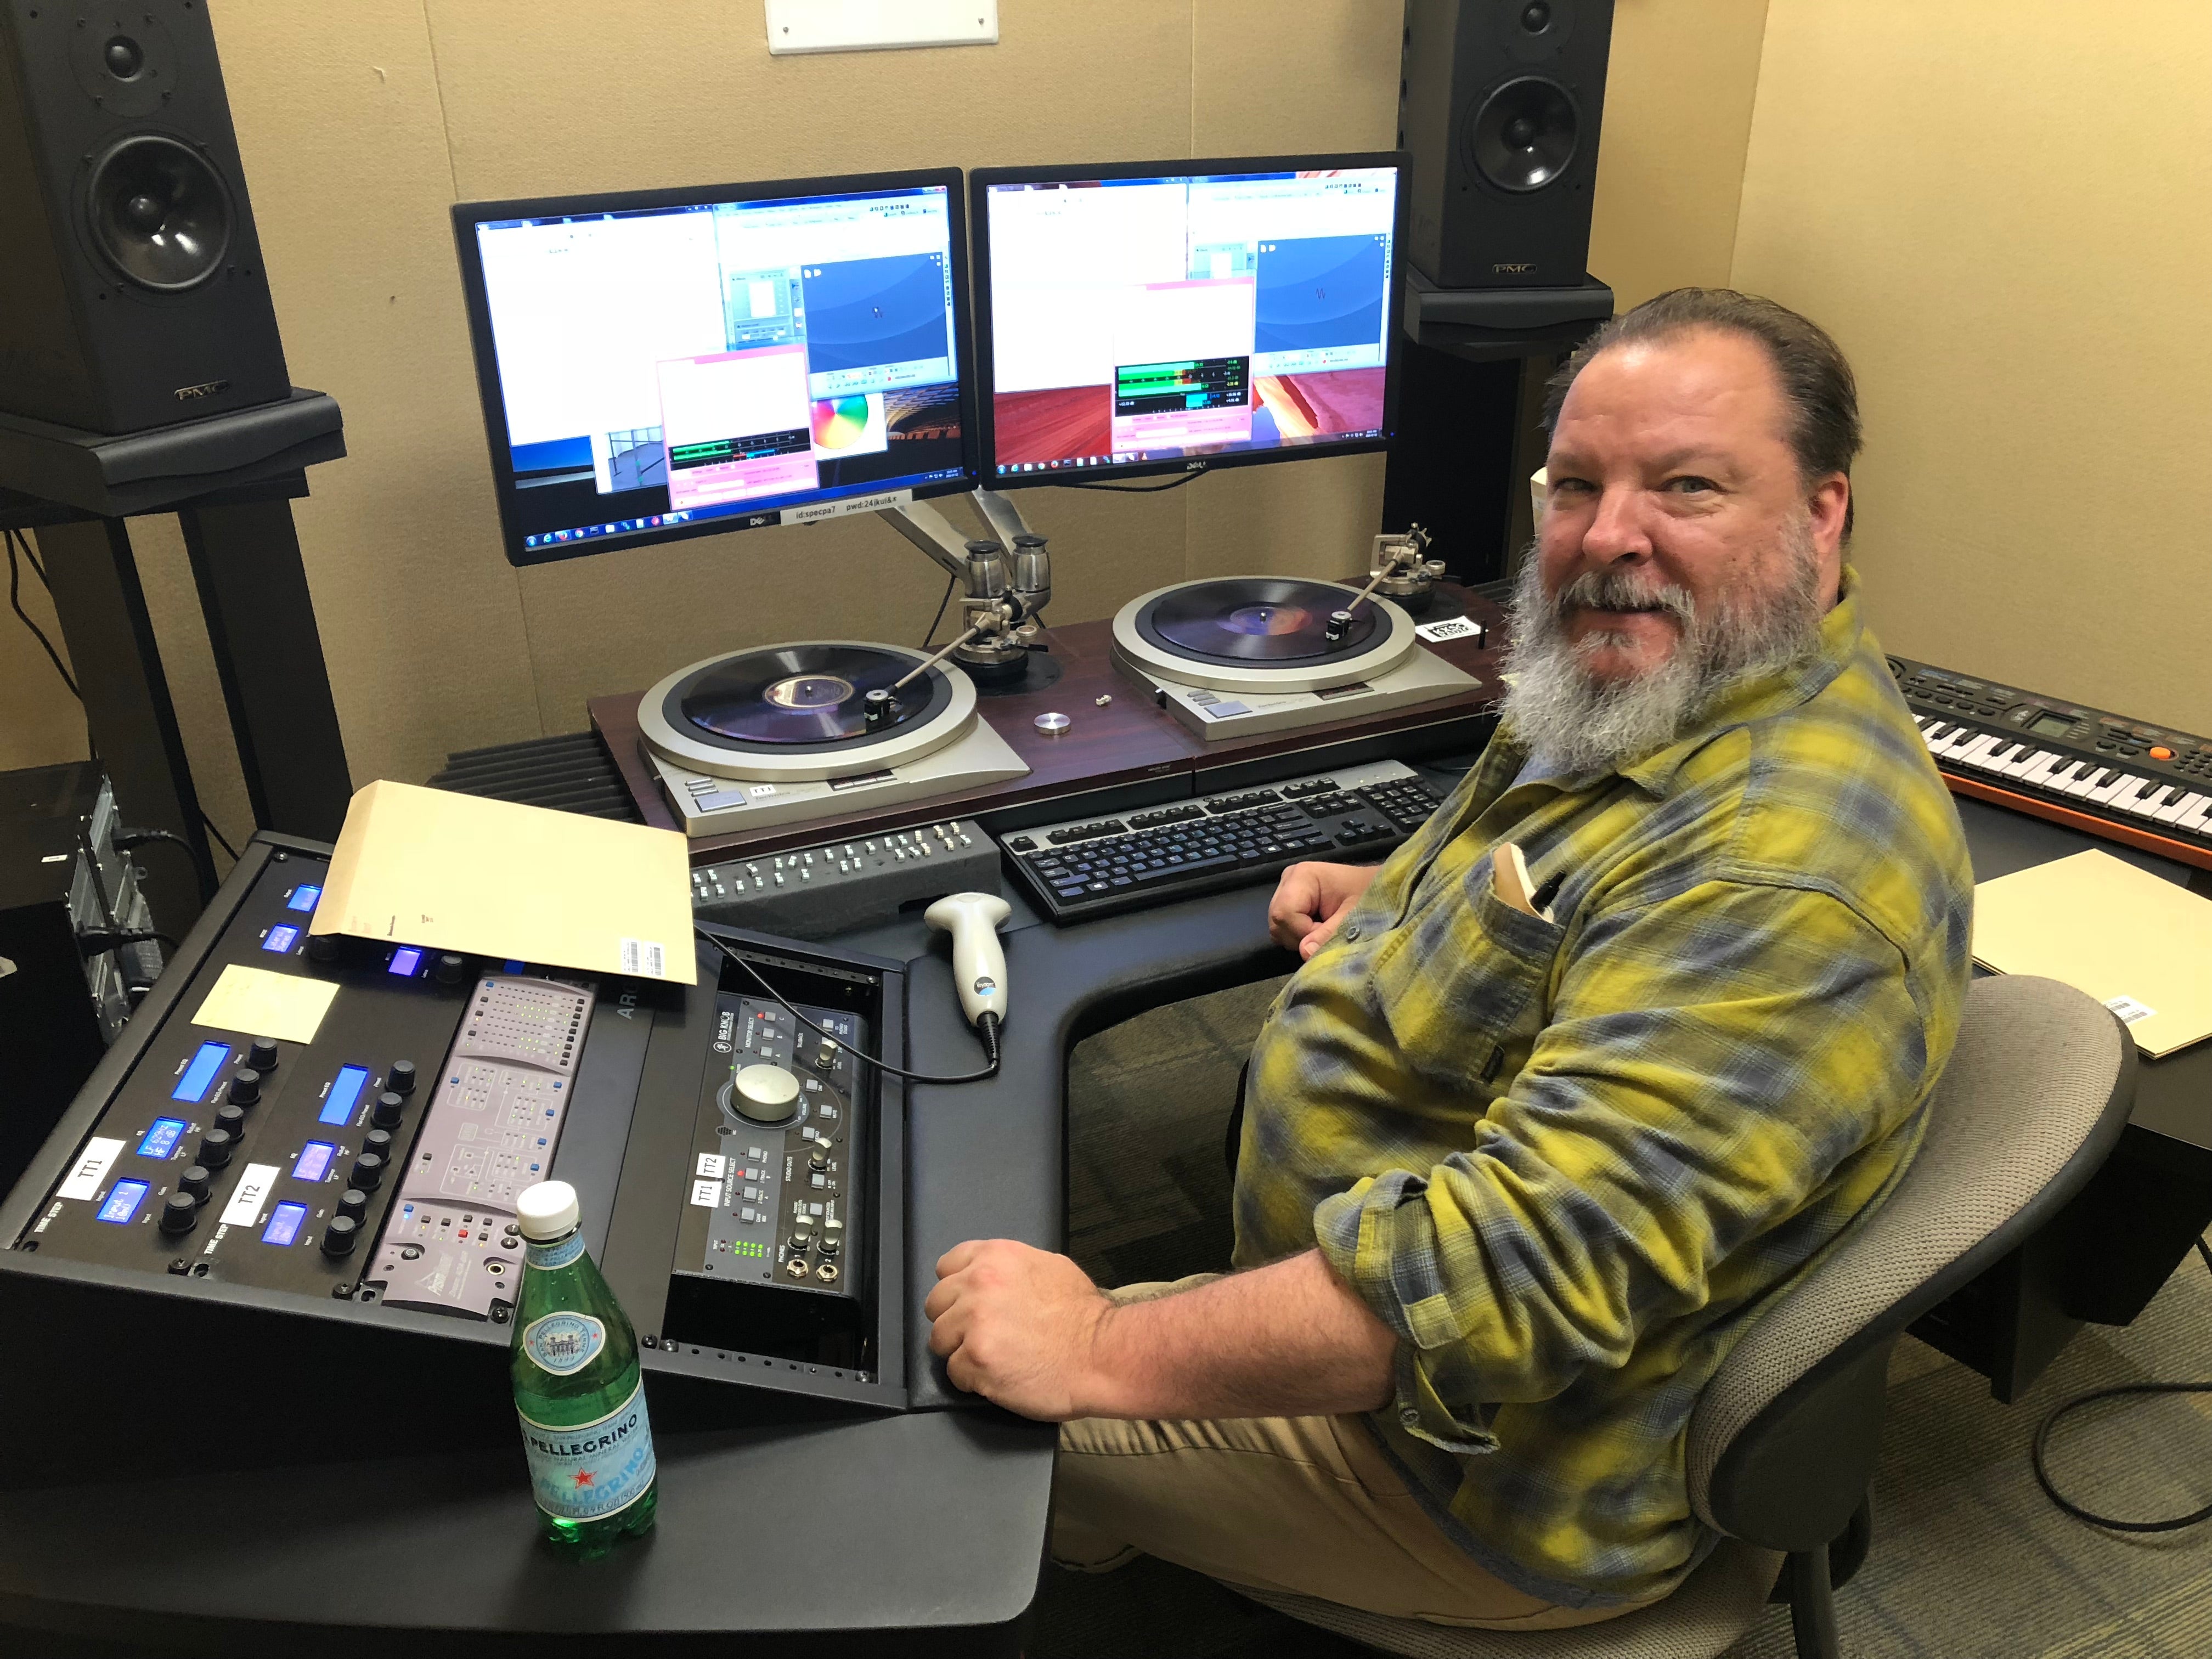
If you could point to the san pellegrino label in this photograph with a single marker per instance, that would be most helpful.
(592, 1470)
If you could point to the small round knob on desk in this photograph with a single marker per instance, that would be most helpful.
(340, 1234)
(261, 1054)
(323, 948)
(232, 1119)
(388, 1110)
(216, 1147)
(764, 1094)
(450, 969)
(400, 1078)
(352, 1202)
(379, 1142)
(244, 1086)
(819, 1157)
(368, 1170)
(195, 1181)
(179, 1210)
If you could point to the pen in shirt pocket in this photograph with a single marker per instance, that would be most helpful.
(1509, 880)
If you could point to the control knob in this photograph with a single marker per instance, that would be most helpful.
(216, 1147)
(261, 1054)
(764, 1094)
(195, 1181)
(340, 1234)
(244, 1086)
(388, 1109)
(379, 1142)
(352, 1202)
(368, 1170)
(833, 1237)
(232, 1119)
(819, 1157)
(323, 948)
(450, 969)
(179, 1212)
(400, 1078)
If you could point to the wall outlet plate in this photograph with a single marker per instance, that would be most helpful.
(797, 26)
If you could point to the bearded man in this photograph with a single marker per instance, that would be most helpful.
(1511, 1184)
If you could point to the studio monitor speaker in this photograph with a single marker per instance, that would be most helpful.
(131, 291)
(1500, 102)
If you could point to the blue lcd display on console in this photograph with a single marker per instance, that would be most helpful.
(161, 1139)
(315, 1161)
(123, 1203)
(193, 1084)
(344, 1096)
(284, 1226)
(304, 897)
(405, 960)
(281, 939)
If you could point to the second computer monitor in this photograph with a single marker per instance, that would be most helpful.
(1148, 317)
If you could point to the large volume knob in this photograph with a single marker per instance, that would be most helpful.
(388, 1110)
(450, 969)
(764, 1094)
(179, 1212)
(367, 1171)
(216, 1147)
(244, 1086)
(400, 1079)
(340, 1234)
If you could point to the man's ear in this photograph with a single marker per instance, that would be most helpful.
(1829, 509)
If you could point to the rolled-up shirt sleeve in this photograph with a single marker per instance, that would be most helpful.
(1710, 1063)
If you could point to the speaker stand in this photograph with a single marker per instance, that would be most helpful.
(76, 490)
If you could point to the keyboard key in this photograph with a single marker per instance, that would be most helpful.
(1187, 868)
(2171, 810)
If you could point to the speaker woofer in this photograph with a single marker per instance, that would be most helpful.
(159, 212)
(1524, 135)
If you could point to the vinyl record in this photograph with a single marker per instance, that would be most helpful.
(801, 694)
(1259, 619)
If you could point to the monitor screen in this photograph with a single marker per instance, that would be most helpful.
(666, 364)
(1137, 319)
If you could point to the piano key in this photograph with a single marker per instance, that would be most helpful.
(1960, 741)
(2008, 750)
(2039, 765)
(2172, 811)
(2068, 778)
(2087, 779)
(2124, 785)
(1932, 733)
(1975, 751)
(2143, 804)
(2199, 816)
(2030, 761)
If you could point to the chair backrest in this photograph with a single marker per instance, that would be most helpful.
(1783, 1442)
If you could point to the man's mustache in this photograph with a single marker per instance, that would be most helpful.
(1616, 590)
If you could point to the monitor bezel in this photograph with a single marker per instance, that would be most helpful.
(981, 180)
(466, 216)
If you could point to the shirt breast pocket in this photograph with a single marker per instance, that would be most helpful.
(1464, 985)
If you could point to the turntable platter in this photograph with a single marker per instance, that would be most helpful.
(800, 694)
(1258, 619)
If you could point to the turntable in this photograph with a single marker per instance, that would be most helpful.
(786, 733)
(1247, 654)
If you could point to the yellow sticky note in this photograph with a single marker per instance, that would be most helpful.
(259, 1003)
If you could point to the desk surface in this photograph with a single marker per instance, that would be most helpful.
(814, 1538)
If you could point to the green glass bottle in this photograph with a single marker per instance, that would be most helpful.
(576, 1385)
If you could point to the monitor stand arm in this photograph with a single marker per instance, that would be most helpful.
(985, 566)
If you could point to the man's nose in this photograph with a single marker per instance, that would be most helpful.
(1619, 529)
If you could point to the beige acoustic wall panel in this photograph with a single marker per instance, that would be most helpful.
(1678, 109)
(340, 121)
(2003, 210)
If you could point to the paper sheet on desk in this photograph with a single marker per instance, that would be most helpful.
(2139, 944)
(457, 873)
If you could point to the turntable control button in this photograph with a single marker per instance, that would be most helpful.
(806, 875)
(809, 857)
(1020, 844)
(779, 878)
(752, 869)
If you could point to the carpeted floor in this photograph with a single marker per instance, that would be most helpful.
(1970, 1560)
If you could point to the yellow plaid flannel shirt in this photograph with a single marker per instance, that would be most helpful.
(1567, 1161)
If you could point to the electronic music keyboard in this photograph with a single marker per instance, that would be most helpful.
(2143, 785)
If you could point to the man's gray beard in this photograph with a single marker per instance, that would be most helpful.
(1578, 724)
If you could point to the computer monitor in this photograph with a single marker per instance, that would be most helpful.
(1167, 317)
(662, 364)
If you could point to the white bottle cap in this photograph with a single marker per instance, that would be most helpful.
(548, 1210)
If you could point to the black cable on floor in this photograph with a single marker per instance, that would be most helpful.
(2043, 1436)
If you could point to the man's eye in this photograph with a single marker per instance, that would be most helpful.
(1573, 486)
(1689, 483)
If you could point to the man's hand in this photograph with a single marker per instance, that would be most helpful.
(1310, 900)
(1018, 1326)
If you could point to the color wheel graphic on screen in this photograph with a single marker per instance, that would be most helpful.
(849, 426)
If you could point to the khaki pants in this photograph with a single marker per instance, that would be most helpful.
(1307, 1506)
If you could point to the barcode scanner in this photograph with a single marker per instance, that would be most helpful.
(979, 965)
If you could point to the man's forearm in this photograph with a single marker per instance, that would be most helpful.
(1285, 1340)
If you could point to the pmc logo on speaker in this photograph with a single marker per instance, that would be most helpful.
(186, 394)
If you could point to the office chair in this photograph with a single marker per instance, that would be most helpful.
(1781, 1444)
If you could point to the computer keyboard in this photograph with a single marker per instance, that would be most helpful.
(1100, 866)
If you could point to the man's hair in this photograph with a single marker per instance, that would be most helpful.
(1816, 379)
